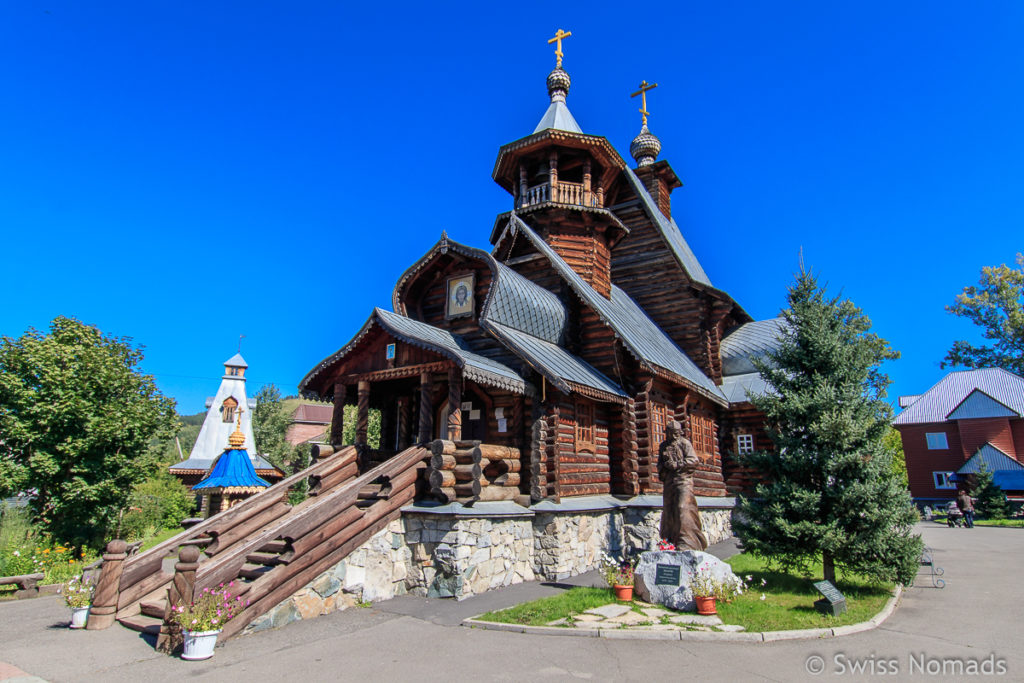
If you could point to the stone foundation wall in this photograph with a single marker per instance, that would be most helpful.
(447, 555)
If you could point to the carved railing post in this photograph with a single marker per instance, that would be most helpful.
(362, 424)
(181, 592)
(104, 598)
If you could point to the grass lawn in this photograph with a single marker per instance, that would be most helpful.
(159, 538)
(1014, 523)
(788, 604)
(789, 599)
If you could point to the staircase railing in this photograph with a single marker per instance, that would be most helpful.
(124, 581)
(318, 536)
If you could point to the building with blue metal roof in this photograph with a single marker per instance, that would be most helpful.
(968, 418)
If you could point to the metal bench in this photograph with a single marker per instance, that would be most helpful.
(934, 571)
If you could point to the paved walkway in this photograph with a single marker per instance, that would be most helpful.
(976, 615)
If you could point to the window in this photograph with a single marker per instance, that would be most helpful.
(584, 427)
(702, 434)
(942, 480)
(744, 443)
(936, 441)
(228, 408)
(389, 353)
(659, 418)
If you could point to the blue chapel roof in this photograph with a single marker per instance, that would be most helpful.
(232, 469)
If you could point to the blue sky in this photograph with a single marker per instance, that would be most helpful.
(183, 173)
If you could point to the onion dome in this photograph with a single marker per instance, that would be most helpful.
(645, 147)
(558, 84)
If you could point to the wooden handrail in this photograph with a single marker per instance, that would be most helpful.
(321, 532)
(140, 567)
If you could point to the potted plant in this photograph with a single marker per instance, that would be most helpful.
(619, 575)
(202, 620)
(708, 589)
(78, 596)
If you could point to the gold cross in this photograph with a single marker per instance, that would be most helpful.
(642, 92)
(559, 35)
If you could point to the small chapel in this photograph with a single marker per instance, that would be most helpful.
(227, 426)
(570, 341)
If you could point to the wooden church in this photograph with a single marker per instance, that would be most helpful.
(558, 355)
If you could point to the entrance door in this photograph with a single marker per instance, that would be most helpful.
(474, 420)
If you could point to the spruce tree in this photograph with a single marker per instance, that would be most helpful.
(989, 500)
(828, 492)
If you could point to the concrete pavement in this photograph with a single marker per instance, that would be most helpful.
(975, 616)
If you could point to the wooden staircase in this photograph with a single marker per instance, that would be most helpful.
(268, 548)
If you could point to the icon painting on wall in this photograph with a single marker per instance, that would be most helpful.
(460, 296)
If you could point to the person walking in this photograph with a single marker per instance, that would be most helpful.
(966, 505)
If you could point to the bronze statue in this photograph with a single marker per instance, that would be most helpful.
(680, 518)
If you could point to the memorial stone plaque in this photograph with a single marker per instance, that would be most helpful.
(833, 602)
(666, 575)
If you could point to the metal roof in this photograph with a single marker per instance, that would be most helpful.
(552, 361)
(978, 404)
(200, 463)
(474, 366)
(319, 413)
(670, 231)
(518, 303)
(907, 400)
(233, 468)
(748, 341)
(558, 116)
(993, 459)
(735, 387)
(938, 402)
(236, 361)
(644, 339)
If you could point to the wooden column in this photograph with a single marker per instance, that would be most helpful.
(104, 599)
(404, 422)
(553, 176)
(426, 409)
(553, 449)
(454, 404)
(338, 418)
(586, 182)
(538, 454)
(362, 422)
(522, 185)
(181, 592)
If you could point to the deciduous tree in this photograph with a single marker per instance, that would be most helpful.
(996, 305)
(77, 420)
(828, 491)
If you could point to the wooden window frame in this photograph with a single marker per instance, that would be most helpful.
(586, 439)
(227, 411)
(658, 417)
(744, 444)
(702, 434)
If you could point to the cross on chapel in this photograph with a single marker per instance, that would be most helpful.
(642, 92)
(559, 35)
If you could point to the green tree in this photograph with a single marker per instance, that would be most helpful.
(159, 502)
(997, 306)
(989, 500)
(828, 491)
(893, 443)
(77, 418)
(270, 425)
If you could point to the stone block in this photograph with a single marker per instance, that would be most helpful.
(326, 585)
(800, 633)
(609, 611)
(309, 604)
(678, 597)
(355, 577)
(697, 619)
(637, 634)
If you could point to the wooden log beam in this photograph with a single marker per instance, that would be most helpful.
(426, 422)
(443, 462)
(338, 416)
(486, 451)
(491, 493)
(454, 403)
(104, 598)
(511, 479)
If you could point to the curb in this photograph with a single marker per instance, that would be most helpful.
(705, 636)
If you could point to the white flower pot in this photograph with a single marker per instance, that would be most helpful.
(199, 644)
(79, 615)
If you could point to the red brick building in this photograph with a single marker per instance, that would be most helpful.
(966, 418)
